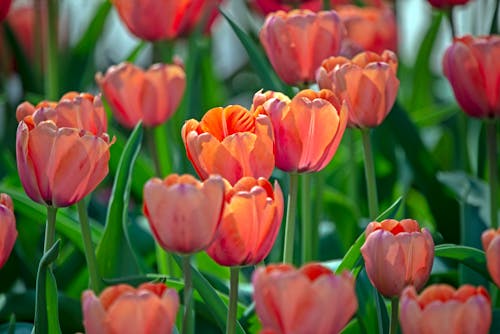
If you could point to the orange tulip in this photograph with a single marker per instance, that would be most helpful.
(151, 308)
(307, 129)
(231, 142)
(397, 254)
(442, 309)
(8, 232)
(62, 148)
(4, 8)
(309, 300)
(296, 42)
(134, 94)
(184, 213)
(368, 83)
(250, 223)
(472, 68)
(446, 3)
(491, 245)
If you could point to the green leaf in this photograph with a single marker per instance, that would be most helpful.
(88, 41)
(18, 328)
(471, 257)
(115, 256)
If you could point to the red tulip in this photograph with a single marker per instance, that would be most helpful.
(442, 309)
(62, 149)
(397, 254)
(296, 42)
(134, 94)
(184, 213)
(472, 67)
(268, 6)
(4, 8)
(8, 232)
(250, 223)
(491, 245)
(309, 300)
(151, 308)
(231, 142)
(447, 3)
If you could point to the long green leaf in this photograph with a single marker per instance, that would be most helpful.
(471, 257)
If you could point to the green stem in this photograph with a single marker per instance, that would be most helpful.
(290, 218)
(233, 300)
(51, 53)
(326, 5)
(353, 179)
(318, 182)
(188, 319)
(151, 143)
(50, 228)
(394, 315)
(491, 137)
(449, 16)
(88, 247)
(371, 183)
(494, 21)
(307, 228)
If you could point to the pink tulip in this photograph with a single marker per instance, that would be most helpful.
(446, 3)
(491, 245)
(8, 232)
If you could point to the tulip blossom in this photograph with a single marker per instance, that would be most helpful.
(151, 308)
(491, 245)
(62, 148)
(473, 70)
(231, 142)
(184, 213)
(368, 83)
(296, 42)
(442, 309)
(446, 3)
(397, 254)
(4, 8)
(8, 232)
(250, 222)
(150, 95)
(311, 299)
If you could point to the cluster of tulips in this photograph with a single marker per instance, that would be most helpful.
(234, 211)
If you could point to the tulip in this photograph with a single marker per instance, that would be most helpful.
(62, 148)
(184, 213)
(446, 3)
(231, 142)
(8, 232)
(442, 309)
(491, 245)
(151, 308)
(368, 83)
(296, 42)
(250, 222)
(307, 300)
(471, 66)
(4, 8)
(134, 94)
(268, 6)
(397, 254)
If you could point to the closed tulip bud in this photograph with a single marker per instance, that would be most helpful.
(62, 148)
(446, 3)
(472, 68)
(8, 232)
(442, 309)
(301, 301)
(296, 42)
(397, 254)
(184, 213)
(231, 142)
(151, 95)
(491, 245)
(250, 222)
(151, 308)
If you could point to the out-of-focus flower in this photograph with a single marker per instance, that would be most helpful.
(442, 309)
(296, 42)
(4, 8)
(151, 95)
(8, 232)
(446, 3)
(62, 148)
(491, 245)
(151, 308)
(250, 223)
(307, 129)
(368, 83)
(307, 300)
(397, 254)
(155, 20)
(231, 142)
(184, 213)
(268, 6)
(472, 67)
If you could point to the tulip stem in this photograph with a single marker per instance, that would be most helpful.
(188, 319)
(449, 16)
(233, 300)
(491, 137)
(51, 57)
(94, 279)
(326, 5)
(394, 315)
(307, 228)
(290, 218)
(50, 229)
(371, 183)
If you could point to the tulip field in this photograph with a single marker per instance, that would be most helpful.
(249, 166)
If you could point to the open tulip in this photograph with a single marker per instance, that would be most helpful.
(472, 68)
(301, 301)
(368, 83)
(151, 308)
(62, 148)
(296, 42)
(491, 245)
(442, 309)
(150, 95)
(446, 3)
(8, 232)
(397, 254)
(250, 223)
(184, 213)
